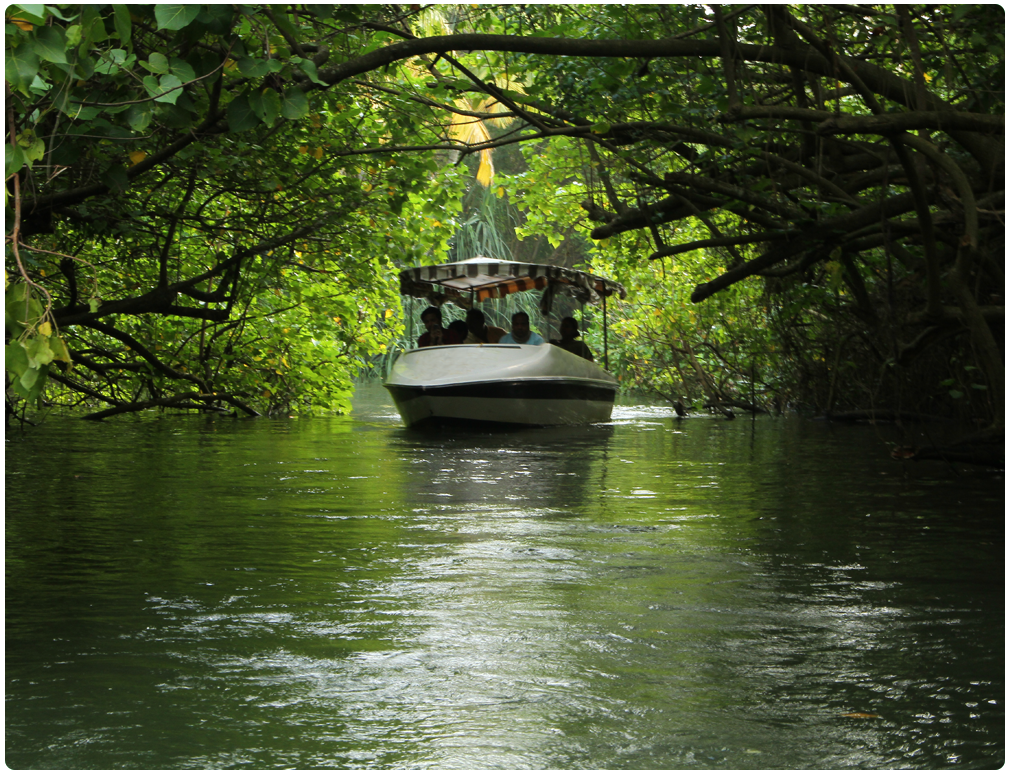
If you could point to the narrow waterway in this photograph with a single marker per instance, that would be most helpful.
(652, 593)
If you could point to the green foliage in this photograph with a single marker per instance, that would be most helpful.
(213, 200)
(31, 344)
(252, 268)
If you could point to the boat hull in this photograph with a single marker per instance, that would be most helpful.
(500, 384)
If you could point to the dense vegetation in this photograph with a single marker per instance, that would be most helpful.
(206, 204)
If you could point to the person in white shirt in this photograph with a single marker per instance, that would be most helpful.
(520, 333)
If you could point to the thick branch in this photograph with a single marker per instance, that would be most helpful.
(720, 242)
(144, 353)
(828, 232)
(890, 123)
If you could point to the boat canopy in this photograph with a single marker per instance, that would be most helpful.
(465, 283)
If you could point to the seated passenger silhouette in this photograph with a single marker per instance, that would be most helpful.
(431, 318)
(520, 333)
(569, 339)
(478, 330)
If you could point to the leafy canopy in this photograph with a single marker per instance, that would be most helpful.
(223, 173)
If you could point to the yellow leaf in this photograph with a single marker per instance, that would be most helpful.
(45, 329)
(138, 156)
(303, 149)
(388, 314)
(317, 153)
(485, 171)
(25, 25)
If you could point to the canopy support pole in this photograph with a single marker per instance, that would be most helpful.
(606, 344)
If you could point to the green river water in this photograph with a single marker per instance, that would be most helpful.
(648, 594)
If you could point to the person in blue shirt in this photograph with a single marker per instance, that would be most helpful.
(520, 333)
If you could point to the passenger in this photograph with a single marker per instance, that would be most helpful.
(478, 332)
(520, 333)
(431, 318)
(459, 326)
(569, 339)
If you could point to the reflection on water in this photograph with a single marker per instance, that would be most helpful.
(345, 593)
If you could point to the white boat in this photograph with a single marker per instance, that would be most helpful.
(506, 384)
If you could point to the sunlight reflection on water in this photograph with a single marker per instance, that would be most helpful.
(652, 594)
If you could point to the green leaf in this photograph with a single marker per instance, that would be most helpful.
(54, 11)
(216, 18)
(124, 25)
(266, 105)
(308, 68)
(84, 68)
(15, 307)
(294, 104)
(36, 14)
(94, 304)
(161, 89)
(87, 114)
(151, 85)
(14, 159)
(36, 150)
(39, 352)
(138, 117)
(183, 70)
(73, 34)
(59, 348)
(170, 91)
(157, 63)
(175, 16)
(253, 68)
(93, 25)
(115, 61)
(33, 380)
(15, 359)
(51, 44)
(22, 64)
(240, 114)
